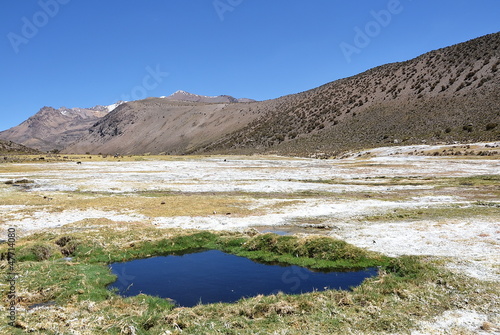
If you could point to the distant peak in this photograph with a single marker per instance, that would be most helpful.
(181, 95)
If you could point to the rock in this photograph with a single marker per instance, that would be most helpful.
(24, 181)
(251, 232)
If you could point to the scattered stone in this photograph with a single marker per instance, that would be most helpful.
(63, 241)
(163, 202)
(24, 181)
(19, 182)
(316, 225)
(251, 232)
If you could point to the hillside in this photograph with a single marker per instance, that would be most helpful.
(158, 125)
(451, 94)
(53, 129)
(11, 148)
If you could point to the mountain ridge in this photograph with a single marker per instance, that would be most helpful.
(446, 95)
(52, 129)
(186, 96)
(449, 94)
(334, 116)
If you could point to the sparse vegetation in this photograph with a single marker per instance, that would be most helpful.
(491, 126)
(383, 107)
(407, 291)
(82, 295)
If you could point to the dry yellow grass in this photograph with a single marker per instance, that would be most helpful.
(151, 206)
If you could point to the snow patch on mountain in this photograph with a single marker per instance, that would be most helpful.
(181, 95)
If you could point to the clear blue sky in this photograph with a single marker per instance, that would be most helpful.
(81, 53)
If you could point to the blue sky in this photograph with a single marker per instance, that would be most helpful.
(81, 53)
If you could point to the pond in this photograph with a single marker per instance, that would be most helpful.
(214, 276)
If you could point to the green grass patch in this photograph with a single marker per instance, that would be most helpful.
(63, 281)
(481, 180)
(407, 290)
(477, 209)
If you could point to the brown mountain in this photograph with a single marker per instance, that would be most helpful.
(186, 96)
(52, 128)
(451, 94)
(158, 125)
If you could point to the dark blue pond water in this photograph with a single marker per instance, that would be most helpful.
(214, 276)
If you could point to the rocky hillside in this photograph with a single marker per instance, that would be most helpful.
(451, 94)
(11, 148)
(53, 129)
(158, 125)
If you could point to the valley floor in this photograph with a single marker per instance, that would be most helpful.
(397, 201)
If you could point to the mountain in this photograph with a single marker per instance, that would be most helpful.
(10, 148)
(451, 94)
(51, 128)
(159, 125)
(186, 96)
(446, 95)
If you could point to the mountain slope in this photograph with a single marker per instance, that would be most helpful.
(161, 125)
(451, 94)
(52, 128)
(11, 148)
